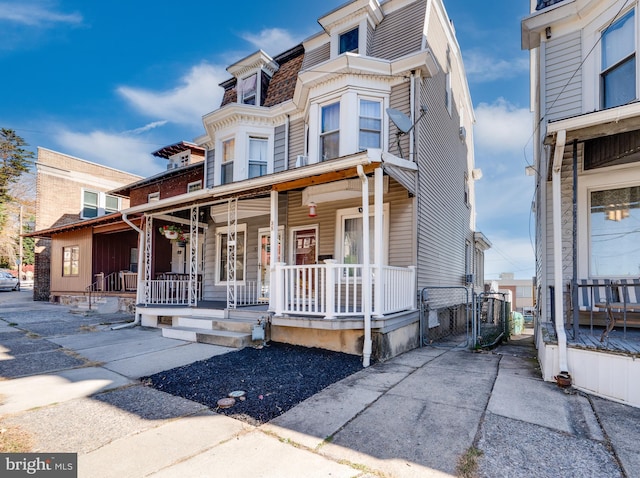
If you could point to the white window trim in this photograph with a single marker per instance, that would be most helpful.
(222, 161)
(599, 86)
(102, 200)
(372, 99)
(362, 38)
(268, 160)
(354, 212)
(614, 177)
(224, 230)
(292, 232)
(152, 197)
(193, 184)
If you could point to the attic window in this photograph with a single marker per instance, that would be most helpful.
(247, 90)
(348, 42)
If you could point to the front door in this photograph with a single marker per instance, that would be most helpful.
(264, 262)
(305, 252)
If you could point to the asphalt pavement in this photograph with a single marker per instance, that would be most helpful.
(71, 383)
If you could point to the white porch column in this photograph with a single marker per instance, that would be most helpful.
(274, 285)
(366, 269)
(557, 249)
(378, 241)
(148, 257)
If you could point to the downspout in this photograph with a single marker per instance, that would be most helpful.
(412, 102)
(286, 142)
(561, 139)
(136, 320)
(366, 269)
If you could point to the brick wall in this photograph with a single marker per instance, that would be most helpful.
(59, 182)
(169, 187)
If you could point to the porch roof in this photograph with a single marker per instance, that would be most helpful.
(297, 178)
(107, 223)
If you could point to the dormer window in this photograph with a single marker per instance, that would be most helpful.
(349, 41)
(178, 160)
(247, 90)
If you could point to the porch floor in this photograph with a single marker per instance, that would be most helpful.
(618, 341)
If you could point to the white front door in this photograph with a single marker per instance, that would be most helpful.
(264, 261)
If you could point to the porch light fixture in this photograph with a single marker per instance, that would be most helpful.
(617, 214)
(312, 209)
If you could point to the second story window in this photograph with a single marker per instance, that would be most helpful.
(330, 132)
(370, 124)
(349, 41)
(194, 186)
(618, 76)
(90, 204)
(111, 204)
(257, 157)
(228, 153)
(96, 204)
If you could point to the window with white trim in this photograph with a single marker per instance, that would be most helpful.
(222, 243)
(618, 69)
(614, 235)
(194, 186)
(153, 197)
(70, 261)
(348, 41)
(330, 131)
(95, 203)
(370, 124)
(350, 240)
(228, 154)
(258, 148)
(248, 90)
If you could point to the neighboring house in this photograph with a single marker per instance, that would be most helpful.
(587, 137)
(324, 213)
(98, 250)
(68, 190)
(521, 292)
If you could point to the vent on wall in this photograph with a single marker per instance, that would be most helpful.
(302, 160)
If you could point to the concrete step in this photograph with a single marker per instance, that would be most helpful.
(225, 338)
(232, 325)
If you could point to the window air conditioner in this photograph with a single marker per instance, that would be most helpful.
(302, 160)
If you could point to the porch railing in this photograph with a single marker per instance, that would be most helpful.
(333, 289)
(169, 292)
(251, 293)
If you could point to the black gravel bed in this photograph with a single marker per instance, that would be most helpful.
(275, 378)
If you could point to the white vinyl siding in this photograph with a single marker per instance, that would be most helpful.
(563, 84)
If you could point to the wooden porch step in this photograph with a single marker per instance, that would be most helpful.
(225, 338)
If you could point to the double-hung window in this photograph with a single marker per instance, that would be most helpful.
(348, 41)
(248, 90)
(111, 204)
(618, 75)
(90, 204)
(330, 132)
(70, 260)
(370, 124)
(228, 153)
(613, 231)
(257, 157)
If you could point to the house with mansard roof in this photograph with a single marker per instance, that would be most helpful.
(584, 80)
(338, 184)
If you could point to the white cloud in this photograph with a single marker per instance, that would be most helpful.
(117, 150)
(147, 127)
(36, 14)
(509, 254)
(197, 95)
(481, 67)
(502, 127)
(276, 40)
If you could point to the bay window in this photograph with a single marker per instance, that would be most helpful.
(330, 132)
(613, 232)
(618, 72)
(228, 153)
(258, 157)
(370, 124)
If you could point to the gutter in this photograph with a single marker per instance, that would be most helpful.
(366, 269)
(136, 320)
(561, 139)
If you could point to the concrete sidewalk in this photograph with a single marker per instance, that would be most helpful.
(413, 416)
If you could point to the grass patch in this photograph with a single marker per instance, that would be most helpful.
(87, 328)
(14, 440)
(467, 466)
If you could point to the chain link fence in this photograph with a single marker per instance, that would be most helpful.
(453, 311)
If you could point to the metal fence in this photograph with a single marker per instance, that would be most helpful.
(454, 311)
(491, 319)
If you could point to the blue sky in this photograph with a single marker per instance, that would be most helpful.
(110, 82)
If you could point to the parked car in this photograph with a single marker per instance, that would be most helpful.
(7, 281)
